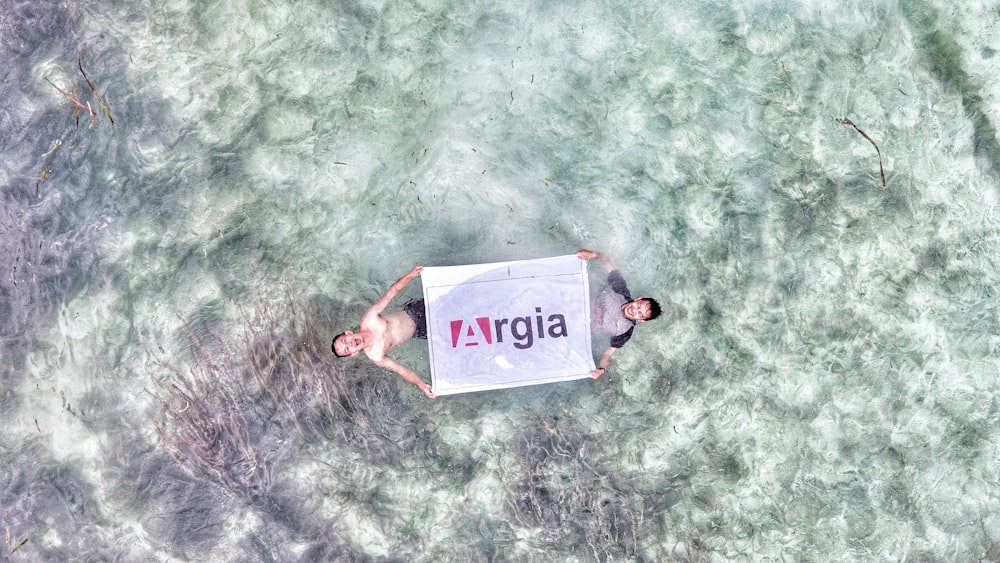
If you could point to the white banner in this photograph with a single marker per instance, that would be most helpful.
(507, 324)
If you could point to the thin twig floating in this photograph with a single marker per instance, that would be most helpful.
(79, 63)
(55, 146)
(845, 121)
(19, 546)
(77, 105)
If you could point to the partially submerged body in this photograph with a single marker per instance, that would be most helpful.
(378, 333)
(615, 312)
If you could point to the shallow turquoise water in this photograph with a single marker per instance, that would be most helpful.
(822, 386)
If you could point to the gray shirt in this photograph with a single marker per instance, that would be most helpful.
(608, 319)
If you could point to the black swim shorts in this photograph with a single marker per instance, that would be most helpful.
(415, 309)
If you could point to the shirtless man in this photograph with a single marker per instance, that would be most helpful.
(615, 312)
(379, 334)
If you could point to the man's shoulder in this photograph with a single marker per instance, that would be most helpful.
(617, 283)
(373, 321)
(619, 340)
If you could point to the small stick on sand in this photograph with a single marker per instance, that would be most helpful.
(19, 546)
(845, 121)
(79, 64)
(77, 105)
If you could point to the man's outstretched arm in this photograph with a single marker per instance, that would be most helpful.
(394, 290)
(604, 362)
(406, 373)
(585, 254)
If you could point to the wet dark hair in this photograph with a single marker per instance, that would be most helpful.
(654, 308)
(333, 343)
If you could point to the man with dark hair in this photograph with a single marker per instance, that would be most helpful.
(378, 334)
(615, 313)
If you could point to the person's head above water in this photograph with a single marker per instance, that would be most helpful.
(641, 309)
(347, 344)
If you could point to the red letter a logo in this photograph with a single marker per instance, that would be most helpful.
(471, 334)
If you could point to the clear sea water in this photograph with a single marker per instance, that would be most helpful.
(822, 385)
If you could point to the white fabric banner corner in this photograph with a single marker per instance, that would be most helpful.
(507, 324)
